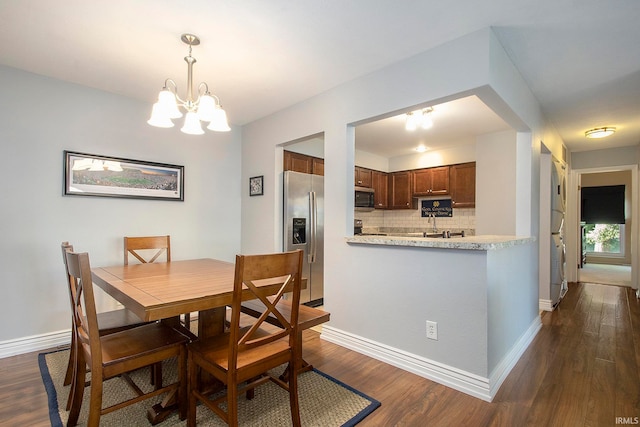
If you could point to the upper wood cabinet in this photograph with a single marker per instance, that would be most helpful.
(380, 185)
(362, 177)
(463, 185)
(317, 166)
(400, 191)
(302, 163)
(431, 181)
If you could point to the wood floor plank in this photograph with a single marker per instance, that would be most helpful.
(583, 368)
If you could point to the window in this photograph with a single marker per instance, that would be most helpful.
(604, 238)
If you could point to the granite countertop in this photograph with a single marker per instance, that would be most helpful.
(480, 243)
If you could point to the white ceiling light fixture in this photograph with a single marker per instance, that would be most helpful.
(206, 107)
(419, 118)
(600, 132)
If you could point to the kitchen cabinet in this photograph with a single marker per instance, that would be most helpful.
(463, 185)
(400, 191)
(431, 181)
(317, 166)
(302, 163)
(380, 185)
(362, 177)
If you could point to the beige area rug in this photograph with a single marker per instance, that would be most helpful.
(605, 274)
(324, 401)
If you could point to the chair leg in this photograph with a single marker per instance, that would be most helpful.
(232, 403)
(77, 392)
(68, 377)
(293, 390)
(73, 364)
(95, 402)
(192, 380)
(182, 378)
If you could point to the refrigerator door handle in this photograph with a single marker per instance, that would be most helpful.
(313, 217)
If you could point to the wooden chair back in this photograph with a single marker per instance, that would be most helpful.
(142, 248)
(251, 351)
(85, 318)
(255, 276)
(116, 354)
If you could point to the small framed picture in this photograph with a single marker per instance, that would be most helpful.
(256, 186)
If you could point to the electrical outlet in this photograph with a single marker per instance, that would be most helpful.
(432, 330)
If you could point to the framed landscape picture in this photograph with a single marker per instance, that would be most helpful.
(102, 176)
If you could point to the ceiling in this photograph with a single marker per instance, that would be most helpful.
(581, 62)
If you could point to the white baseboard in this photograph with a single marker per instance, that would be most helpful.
(34, 343)
(465, 382)
(505, 366)
(546, 305)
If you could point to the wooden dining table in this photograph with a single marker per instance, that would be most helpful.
(163, 291)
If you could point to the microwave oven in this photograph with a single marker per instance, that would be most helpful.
(364, 199)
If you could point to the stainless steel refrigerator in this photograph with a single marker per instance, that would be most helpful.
(304, 229)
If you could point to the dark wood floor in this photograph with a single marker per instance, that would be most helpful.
(582, 369)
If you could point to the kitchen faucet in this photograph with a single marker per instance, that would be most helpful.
(435, 228)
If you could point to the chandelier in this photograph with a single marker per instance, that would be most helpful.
(206, 107)
(419, 118)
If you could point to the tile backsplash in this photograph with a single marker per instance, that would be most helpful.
(462, 219)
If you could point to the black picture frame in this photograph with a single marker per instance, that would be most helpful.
(256, 185)
(105, 176)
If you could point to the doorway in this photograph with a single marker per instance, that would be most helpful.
(592, 262)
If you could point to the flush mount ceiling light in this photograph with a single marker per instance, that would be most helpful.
(419, 118)
(206, 107)
(600, 132)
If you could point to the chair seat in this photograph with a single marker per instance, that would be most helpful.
(117, 320)
(215, 352)
(128, 350)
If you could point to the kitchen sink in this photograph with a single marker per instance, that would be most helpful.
(443, 235)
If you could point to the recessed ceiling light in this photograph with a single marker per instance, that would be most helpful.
(421, 149)
(600, 132)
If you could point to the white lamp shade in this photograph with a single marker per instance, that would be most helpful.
(219, 120)
(426, 120)
(159, 118)
(192, 124)
(410, 123)
(206, 108)
(167, 101)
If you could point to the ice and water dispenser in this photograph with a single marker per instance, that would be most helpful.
(299, 234)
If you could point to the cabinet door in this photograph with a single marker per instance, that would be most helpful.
(439, 181)
(422, 182)
(317, 166)
(400, 187)
(297, 162)
(362, 177)
(380, 184)
(463, 185)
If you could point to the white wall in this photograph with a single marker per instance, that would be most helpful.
(614, 159)
(369, 305)
(39, 118)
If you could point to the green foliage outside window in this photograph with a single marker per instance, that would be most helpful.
(602, 238)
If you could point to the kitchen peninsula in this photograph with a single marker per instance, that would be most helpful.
(476, 289)
(482, 243)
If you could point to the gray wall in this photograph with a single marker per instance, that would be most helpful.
(39, 118)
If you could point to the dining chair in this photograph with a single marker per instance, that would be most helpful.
(108, 323)
(116, 354)
(147, 249)
(245, 354)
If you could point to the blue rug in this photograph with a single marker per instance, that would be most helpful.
(324, 401)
